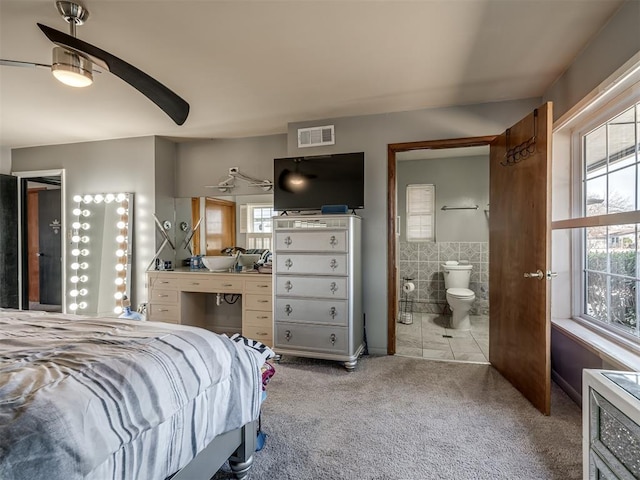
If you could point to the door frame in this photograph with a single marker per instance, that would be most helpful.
(23, 276)
(392, 274)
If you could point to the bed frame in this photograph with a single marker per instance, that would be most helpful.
(237, 446)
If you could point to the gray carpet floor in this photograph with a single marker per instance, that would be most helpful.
(405, 418)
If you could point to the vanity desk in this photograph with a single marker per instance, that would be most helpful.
(185, 296)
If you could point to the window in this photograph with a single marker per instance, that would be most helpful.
(610, 177)
(420, 213)
(257, 224)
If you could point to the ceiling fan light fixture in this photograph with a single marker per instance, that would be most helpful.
(71, 69)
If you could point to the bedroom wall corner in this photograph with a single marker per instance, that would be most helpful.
(5, 160)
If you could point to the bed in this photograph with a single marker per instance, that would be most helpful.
(122, 399)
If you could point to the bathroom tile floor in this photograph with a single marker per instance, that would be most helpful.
(429, 337)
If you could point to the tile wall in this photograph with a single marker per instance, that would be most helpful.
(423, 261)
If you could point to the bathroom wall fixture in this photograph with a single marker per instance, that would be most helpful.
(229, 183)
(471, 207)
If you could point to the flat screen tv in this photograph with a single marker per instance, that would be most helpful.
(309, 183)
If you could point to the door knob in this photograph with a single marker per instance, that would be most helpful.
(537, 274)
(551, 274)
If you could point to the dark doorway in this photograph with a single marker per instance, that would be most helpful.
(50, 248)
(9, 297)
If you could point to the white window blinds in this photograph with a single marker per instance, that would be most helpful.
(421, 213)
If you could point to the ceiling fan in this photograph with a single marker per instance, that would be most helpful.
(73, 61)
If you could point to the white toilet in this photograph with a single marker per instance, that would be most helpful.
(459, 297)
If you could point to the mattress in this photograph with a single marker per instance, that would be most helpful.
(117, 399)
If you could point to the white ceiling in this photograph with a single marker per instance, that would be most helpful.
(249, 67)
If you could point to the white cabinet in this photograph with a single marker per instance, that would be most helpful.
(611, 425)
(317, 284)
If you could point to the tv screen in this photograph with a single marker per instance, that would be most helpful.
(308, 183)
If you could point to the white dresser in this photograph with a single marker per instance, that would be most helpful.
(317, 284)
(611, 425)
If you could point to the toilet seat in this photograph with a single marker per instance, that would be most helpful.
(461, 293)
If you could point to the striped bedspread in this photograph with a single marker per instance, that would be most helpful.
(116, 399)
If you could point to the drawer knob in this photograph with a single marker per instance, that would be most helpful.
(163, 296)
(333, 264)
(288, 286)
(261, 334)
(195, 283)
(227, 284)
(333, 312)
(288, 241)
(333, 338)
(163, 309)
(288, 309)
(333, 287)
(287, 335)
(263, 301)
(262, 286)
(263, 317)
(288, 263)
(333, 241)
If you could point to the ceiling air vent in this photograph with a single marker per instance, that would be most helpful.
(316, 136)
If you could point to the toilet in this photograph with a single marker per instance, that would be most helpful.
(459, 297)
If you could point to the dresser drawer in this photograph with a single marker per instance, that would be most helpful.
(262, 285)
(333, 312)
(319, 241)
(258, 333)
(200, 283)
(258, 302)
(163, 296)
(163, 281)
(318, 287)
(322, 338)
(325, 264)
(164, 313)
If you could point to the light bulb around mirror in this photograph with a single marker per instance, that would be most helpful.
(75, 266)
(121, 225)
(119, 267)
(118, 296)
(77, 198)
(84, 265)
(84, 239)
(86, 226)
(86, 213)
(74, 279)
(76, 212)
(109, 197)
(87, 199)
(73, 307)
(84, 252)
(84, 278)
(83, 292)
(75, 238)
(117, 310)
(119, 253)
(119, 281)
(120, 239)
(82, 305)
(75, 225)
(121, 210)
(120, 197)
(73, 293)
(98, 198)
(75, 252)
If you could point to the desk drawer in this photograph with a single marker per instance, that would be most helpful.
(329, 339)
(164, 313)
(163, 281)
(212, 285)
(163, 296)
(318, 287)
(258, 286)
(312, 264)
(258, 302)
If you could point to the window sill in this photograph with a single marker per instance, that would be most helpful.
(621, 357)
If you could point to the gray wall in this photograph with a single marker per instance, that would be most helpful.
(125, 165)
(5, 160)
(614, 45)
(462, 181)
(371, 134)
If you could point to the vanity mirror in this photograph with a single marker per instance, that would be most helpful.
(100, 253)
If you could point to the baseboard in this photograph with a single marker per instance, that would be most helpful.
(569, 390)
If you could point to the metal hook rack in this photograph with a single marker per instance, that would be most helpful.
(471, 207)
(523, 150)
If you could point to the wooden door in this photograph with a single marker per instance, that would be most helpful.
(519, 244)
(50, 254)
(220, 225)
(9, 296)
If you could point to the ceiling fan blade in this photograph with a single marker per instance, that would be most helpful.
(173, 105)
(19, 63)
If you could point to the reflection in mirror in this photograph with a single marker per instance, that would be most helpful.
(101, 253)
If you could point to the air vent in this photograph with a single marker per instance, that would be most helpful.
(316, 136)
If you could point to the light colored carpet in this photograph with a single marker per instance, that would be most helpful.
(405, 418)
